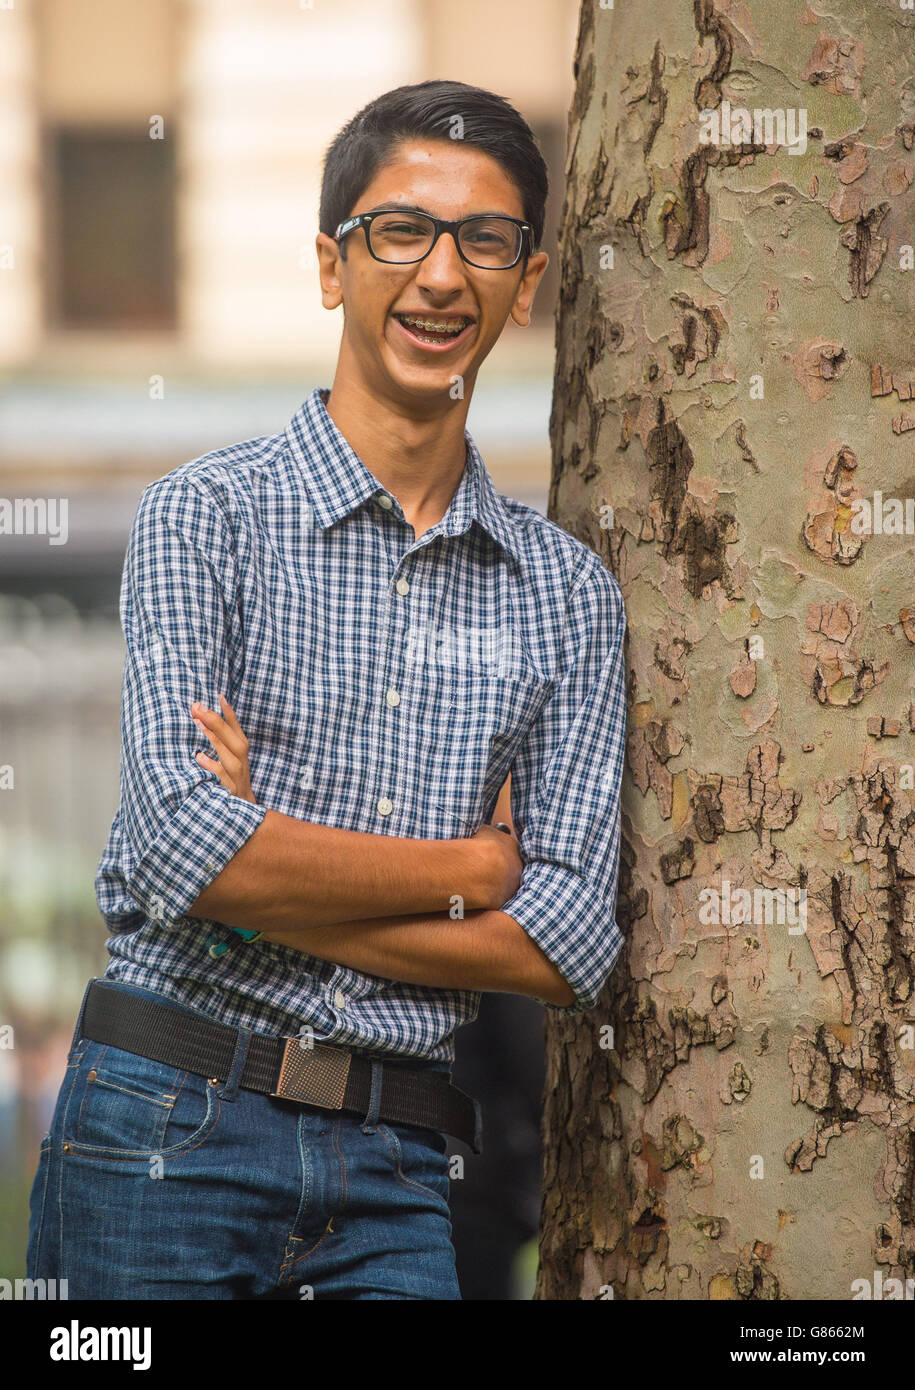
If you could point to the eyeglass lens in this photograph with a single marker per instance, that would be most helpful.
(402, 237)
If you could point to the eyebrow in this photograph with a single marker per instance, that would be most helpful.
(415, 207)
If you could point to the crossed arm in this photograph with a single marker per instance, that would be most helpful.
(343, 896)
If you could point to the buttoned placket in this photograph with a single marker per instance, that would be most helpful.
(389, 697)
(391, 520)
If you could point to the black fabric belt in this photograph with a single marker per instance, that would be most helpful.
(331, 1077)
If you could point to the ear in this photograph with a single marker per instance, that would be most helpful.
(330, 264)
(524, 299)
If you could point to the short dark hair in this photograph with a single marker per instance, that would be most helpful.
(427, 110)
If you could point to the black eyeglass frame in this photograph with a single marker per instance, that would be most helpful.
(364, 220)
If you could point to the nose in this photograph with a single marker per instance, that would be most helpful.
(442, 270)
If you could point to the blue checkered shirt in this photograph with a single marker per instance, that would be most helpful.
(386, 685)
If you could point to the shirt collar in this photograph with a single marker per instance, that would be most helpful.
(338, 481)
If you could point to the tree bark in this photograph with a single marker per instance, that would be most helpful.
(735, 371)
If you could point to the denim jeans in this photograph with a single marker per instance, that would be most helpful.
(156, 1183)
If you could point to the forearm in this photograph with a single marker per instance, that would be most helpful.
(295, 874)
(487, 950)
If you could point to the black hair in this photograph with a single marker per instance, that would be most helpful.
(428, 110)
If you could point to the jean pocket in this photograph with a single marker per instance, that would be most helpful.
(128, 1106)
(420, 1159)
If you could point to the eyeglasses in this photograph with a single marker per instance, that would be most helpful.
(400, 237)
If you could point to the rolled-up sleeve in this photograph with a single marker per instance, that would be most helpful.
(180, 826)
(566, 796)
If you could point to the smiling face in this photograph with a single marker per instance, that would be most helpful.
(393, 355)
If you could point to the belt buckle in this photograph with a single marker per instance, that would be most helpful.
(315, 1075)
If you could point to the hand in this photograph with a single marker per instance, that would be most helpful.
(227, 737)
(504, 857)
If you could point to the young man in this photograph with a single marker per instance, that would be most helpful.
(351, 605)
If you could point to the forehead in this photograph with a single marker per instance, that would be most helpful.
(447, 177)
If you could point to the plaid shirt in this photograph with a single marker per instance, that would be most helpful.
(386, 685)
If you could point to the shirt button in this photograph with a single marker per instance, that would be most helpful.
(385, 807)
(392, 697)
(339, 999)
(385, 501)
(402, 586)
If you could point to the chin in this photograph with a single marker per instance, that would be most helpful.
(426, 381)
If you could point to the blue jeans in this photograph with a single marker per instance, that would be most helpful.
(155, 1183)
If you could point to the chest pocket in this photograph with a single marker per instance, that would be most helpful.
(462, 735)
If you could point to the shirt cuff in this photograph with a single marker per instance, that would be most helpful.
(192, 849)
(568, 919)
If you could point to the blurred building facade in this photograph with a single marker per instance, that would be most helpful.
(160, 161)
(160, 167)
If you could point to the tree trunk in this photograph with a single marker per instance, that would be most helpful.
(734, 379)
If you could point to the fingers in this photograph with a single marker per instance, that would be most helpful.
(212, 766)
(228, 731)
(228, 739)
(232, 720)
(229, 759)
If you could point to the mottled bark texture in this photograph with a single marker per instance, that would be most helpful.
(729, 386)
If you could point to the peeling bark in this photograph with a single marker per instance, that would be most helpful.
(729, 387)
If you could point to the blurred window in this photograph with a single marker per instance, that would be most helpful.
(111, 230)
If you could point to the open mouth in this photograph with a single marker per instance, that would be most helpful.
(432, 331)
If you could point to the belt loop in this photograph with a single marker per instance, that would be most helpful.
(77, 1031)
(242, 1043)
(371, 1115)
(477, 1144)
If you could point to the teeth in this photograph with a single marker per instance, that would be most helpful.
(432, 326)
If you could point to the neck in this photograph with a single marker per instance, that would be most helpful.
(418, 457)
